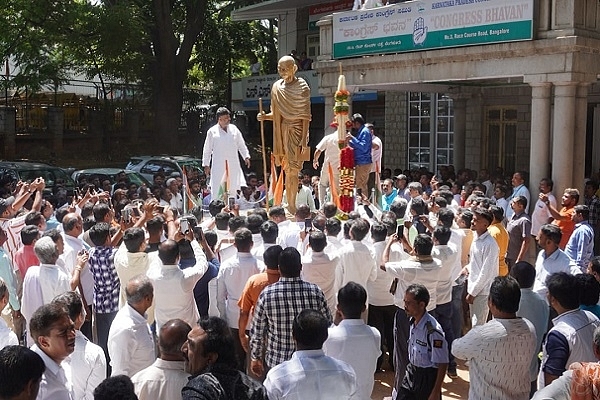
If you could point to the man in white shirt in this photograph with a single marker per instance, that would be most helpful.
(319, 267)
(482, 267)
(499, 351)
(333, 227)
(54, 335)
(289, 232)
(88, 362)
(174, 287)
(165, 378)
(21, 370)
(551, 259)
(72, 229)
(232, 277)
(7, 337)
(130, 342)
(382, 309)
(421, 268)
(541, 214)
(353, 341)
(376, 152)
(44, 282)
(268, 232)
(310, 374)
(357, 261)
(330, 148)
(533, 308)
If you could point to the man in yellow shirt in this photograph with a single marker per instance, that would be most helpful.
(500, 235)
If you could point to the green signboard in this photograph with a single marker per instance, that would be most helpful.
(423, 25)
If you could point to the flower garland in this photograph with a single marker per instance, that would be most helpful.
(347, 179)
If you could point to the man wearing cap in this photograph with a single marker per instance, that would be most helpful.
(361, 143)
(376, 151)
(8, 209)
(329, 147)
(223, 142)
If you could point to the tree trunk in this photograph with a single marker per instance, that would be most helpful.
(168, 99)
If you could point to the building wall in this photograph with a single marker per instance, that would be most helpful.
(395, 144)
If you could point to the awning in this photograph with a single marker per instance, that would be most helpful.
(270, 9)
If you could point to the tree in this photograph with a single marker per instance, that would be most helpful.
(150, 42)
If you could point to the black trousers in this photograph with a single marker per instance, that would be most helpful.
(382, 319)
(418, 383)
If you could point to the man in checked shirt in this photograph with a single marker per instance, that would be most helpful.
(274, 314)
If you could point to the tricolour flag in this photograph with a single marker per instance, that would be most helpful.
(223, 191)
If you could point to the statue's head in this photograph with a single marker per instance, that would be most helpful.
(286, 67)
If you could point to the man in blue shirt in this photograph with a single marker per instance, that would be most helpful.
(361, 143)
(580, 247)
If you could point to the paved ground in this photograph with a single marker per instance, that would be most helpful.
(452, 389)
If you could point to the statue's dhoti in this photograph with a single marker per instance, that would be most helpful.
(295, 153)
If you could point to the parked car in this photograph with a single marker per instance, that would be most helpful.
(58, 182)
(147, 166)
(109, 173)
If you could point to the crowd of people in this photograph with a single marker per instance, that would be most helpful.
(130, 293)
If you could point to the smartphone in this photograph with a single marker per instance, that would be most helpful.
(307, 224)
(135, 211)
(184, 226)
(231, 203)
(160, 209)
(126, 214)
(400, 231)
(359, 192)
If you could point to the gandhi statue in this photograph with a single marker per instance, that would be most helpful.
(290, 113)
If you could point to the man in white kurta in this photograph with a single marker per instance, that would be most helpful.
(174, 287)
(223, 142)
(330, 148)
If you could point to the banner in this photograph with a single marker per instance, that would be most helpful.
(430, 24)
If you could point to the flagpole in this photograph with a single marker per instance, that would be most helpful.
(264, 153)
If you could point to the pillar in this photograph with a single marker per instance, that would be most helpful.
(460, 131)
(539, 149)
(8, 128)
(56, 127)
(563, 135)
(580, 137)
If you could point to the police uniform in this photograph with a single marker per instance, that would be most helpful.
(427, 347)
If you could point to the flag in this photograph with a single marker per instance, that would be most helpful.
(223, 191)
(332, 187)
(188, 204)
(272, 178)
(278, 192)
(377, 194)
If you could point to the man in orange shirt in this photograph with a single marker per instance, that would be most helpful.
(563, 218)
(255, 285)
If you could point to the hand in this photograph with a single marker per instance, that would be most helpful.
(316, 164)
(17, 314)
(245, 340)
(419, 31)
(247, 161)
(82, 258)
(207, 170)
(349, 136)
(469, 299)
(256, 367)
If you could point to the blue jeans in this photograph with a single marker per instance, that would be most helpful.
(443, 314)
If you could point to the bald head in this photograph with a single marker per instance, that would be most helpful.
(171, 337)
(287, 60)
(139, 290)
(72, 224)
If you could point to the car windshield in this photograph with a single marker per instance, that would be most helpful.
(51, 176)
